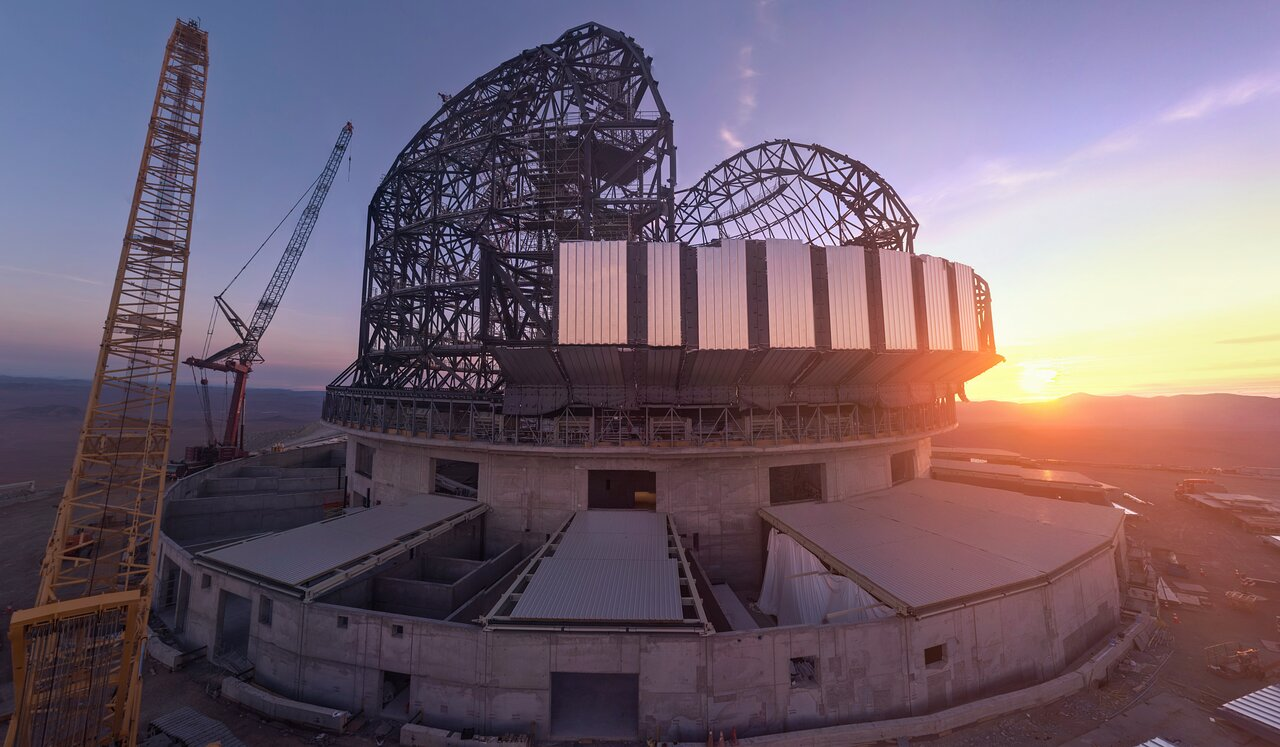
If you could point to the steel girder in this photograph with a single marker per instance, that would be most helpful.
(780, 189)
(569, 140)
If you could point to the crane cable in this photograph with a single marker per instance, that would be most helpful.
(213, 313)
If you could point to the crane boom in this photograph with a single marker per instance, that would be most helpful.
(240, 357)
(76, 655)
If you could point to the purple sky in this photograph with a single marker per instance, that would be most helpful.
(1079, 156)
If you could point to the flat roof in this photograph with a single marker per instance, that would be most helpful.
(314, 557)
(1024, 473)
(928, 543)
(1258, 712)
(974, 451)
(605, 569)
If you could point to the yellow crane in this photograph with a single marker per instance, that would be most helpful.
(77, 654)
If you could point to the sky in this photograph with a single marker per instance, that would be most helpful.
(1111, 169)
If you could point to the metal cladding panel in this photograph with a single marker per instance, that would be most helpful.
(722, 296)
(593, 293)
(847, 289)
(528, 365)
(715, 367)
(937, 304)
(968, 303)
(660, 367)
(664, 293)
(594, 365)
(1259, 711)
(898, 297)
(295, 556)
(790, 273)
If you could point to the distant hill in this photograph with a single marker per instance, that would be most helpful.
(1198, 430)
(40, 420)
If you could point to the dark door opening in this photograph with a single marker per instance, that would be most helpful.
(395, 695)
(233, 625)
(595, 706)
(622, 488)
(902, 466)
(794, 483)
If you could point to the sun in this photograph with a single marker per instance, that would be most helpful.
(1036, 379)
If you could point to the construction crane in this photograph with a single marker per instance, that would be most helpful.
(77, 653)
(240, 357)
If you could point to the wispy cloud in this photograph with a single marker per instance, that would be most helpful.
(1226, 96)
(998, 177)
(1250, 340)
(746, 74)
(55, 275)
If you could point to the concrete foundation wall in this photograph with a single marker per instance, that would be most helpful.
(462, 676)
(713, 494)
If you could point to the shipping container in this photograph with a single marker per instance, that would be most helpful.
(789, 270)
(847, 291)
(722, 296)
(593, 293)
(898, 300)
(663, 293)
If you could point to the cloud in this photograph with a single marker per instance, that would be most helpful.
(55, 275)
(1226, 96)
(1250, 340)
(730, 139)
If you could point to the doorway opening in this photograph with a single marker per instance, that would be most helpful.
(595, 706)
(233, 626)
(622, 488)
(395, 695)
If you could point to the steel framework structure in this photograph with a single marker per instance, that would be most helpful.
(569, 140)
(780, 189)
(75, 655)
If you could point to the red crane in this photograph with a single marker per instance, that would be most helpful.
(240, 357)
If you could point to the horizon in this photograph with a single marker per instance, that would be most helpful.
(1148, 209)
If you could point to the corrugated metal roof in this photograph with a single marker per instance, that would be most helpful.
(1259, 711)
(602, 588)
(298, 555)
(194, 729)
(1157, 742)
(975, 451)
(1011, 470)
(608, 566)
(928, 542)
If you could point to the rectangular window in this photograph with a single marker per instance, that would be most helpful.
(264, 610)
(342, 621)
(622, 488)
(397, 631)
(364, 460)
(205, 581)
(936, 656)
(795, 483)
(455, 477)
(804, 671)
(902, 466)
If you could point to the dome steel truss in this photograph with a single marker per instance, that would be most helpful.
(781, 189)
(569, 140)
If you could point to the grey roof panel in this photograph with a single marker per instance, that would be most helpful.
(296, 556)
(927, 542)
(588, 589)
(1014, 471)
(1259, 711)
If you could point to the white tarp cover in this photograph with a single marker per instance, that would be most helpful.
(799, 590)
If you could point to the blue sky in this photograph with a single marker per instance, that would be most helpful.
(1111, 169)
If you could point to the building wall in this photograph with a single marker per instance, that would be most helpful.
(714, 495)
(464, 676)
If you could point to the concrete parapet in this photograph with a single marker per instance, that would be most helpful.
(171, 657)
(283, 709)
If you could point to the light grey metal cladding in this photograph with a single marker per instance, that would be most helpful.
(789, 270)
(1257, 712)
(967, 302)
(1010, 470)
(898, 297)
(927, 543)
(663, 289)
(587, 589)
(937, 304)
(594, 364)
(301, 555)
(722, 296)
(847, 289)
(592, 296)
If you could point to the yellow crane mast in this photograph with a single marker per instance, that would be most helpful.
(77, 654)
